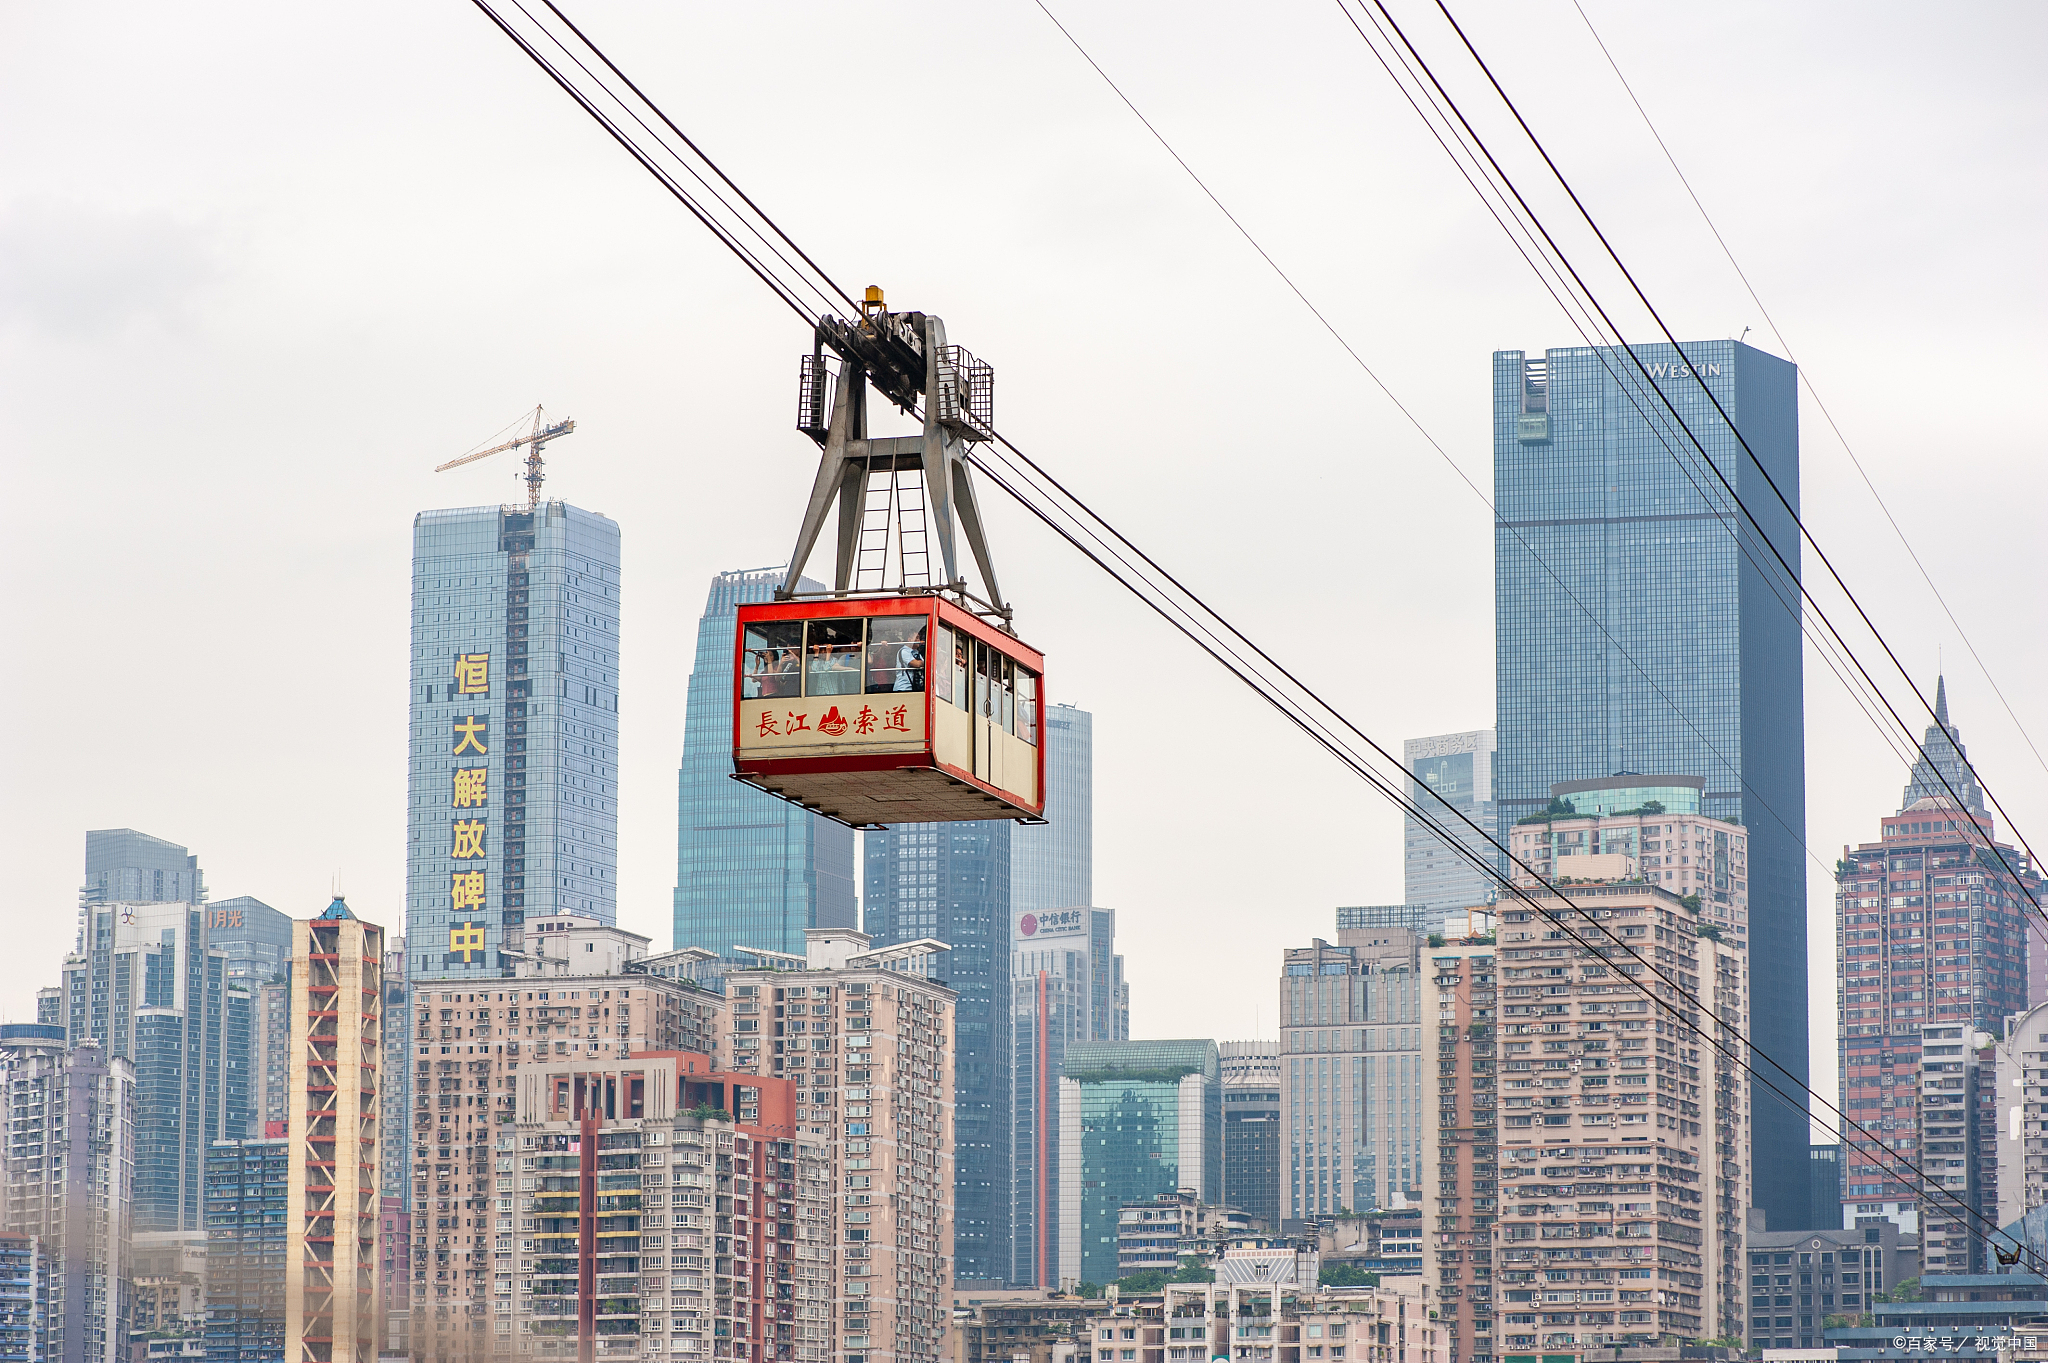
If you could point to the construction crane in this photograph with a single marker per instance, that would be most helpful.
(534, 440)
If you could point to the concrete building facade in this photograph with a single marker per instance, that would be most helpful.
(1353, 1070)
(67, 1172)
(468, 1047)
(248, 1209)
(867, 1040)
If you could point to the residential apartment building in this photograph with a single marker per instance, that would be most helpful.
(1066, 987)
(248, 1197)
(1137, 1119)
(1353, 1071)
(1956, 1110)
(67, 1172)
(468, 1047)
(1254, 1136)
(652, 1223)
(867, 1041)
(1799, 1278)
(2019, 1092)
(336, 1134)
(21, 1286)
(1460, 1178)
(1594, 1149)
(1267, 1323)
(1003, 1328)
(1653, 824)
(1160, 1233)
(1930, 928)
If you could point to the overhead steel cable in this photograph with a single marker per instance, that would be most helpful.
(1806, 380)
(1804, 533)
(1318, 730)
(830, 283)
(1798, 835)
(618, 134)
(1205, 636)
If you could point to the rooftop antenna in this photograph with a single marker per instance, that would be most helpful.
(1745, 332)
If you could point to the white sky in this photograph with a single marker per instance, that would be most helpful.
(262, 267)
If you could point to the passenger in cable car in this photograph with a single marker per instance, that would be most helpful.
(835, 658)
(773, 663)
(896, 654)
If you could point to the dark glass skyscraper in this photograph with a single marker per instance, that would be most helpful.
(751, 870)
(951, 881)
(1642, 625)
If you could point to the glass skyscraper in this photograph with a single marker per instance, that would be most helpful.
(513, 788)
(1455, 774)
(967, 884)
(1052, 865)
(751, 870)
(1066, 987)
(1642, 625)
(1137, 1119)
(951, 881)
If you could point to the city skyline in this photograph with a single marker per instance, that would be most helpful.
(276, 546)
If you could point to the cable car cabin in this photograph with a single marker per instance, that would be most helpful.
(898, 709)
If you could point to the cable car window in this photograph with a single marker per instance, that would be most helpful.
(896, 649)
(771, 665)
(961, 695)
(1027, 706)
(983, 698)
(832, 657)
(942, 663)
(1003, 698)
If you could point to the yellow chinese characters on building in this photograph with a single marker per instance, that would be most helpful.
(472, 787)
(472, 735)
(472, 674)
(466, 890)
(469, 839)
(466, 940)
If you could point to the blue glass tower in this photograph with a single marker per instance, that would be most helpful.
(1641, 625)
(513, 788)
(751, 870)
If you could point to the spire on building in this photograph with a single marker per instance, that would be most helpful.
(1943, 771)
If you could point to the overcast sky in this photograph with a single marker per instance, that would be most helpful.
(262, 267)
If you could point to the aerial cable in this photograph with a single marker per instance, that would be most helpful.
(1546, 272)
(781, 290)
(1807, 381)
(801, 283)
(1769, 480)
(1381, 784)
(1797, 834)
(1232, 661)
(832, 284)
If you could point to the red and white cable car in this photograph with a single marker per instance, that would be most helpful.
(874, 704)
